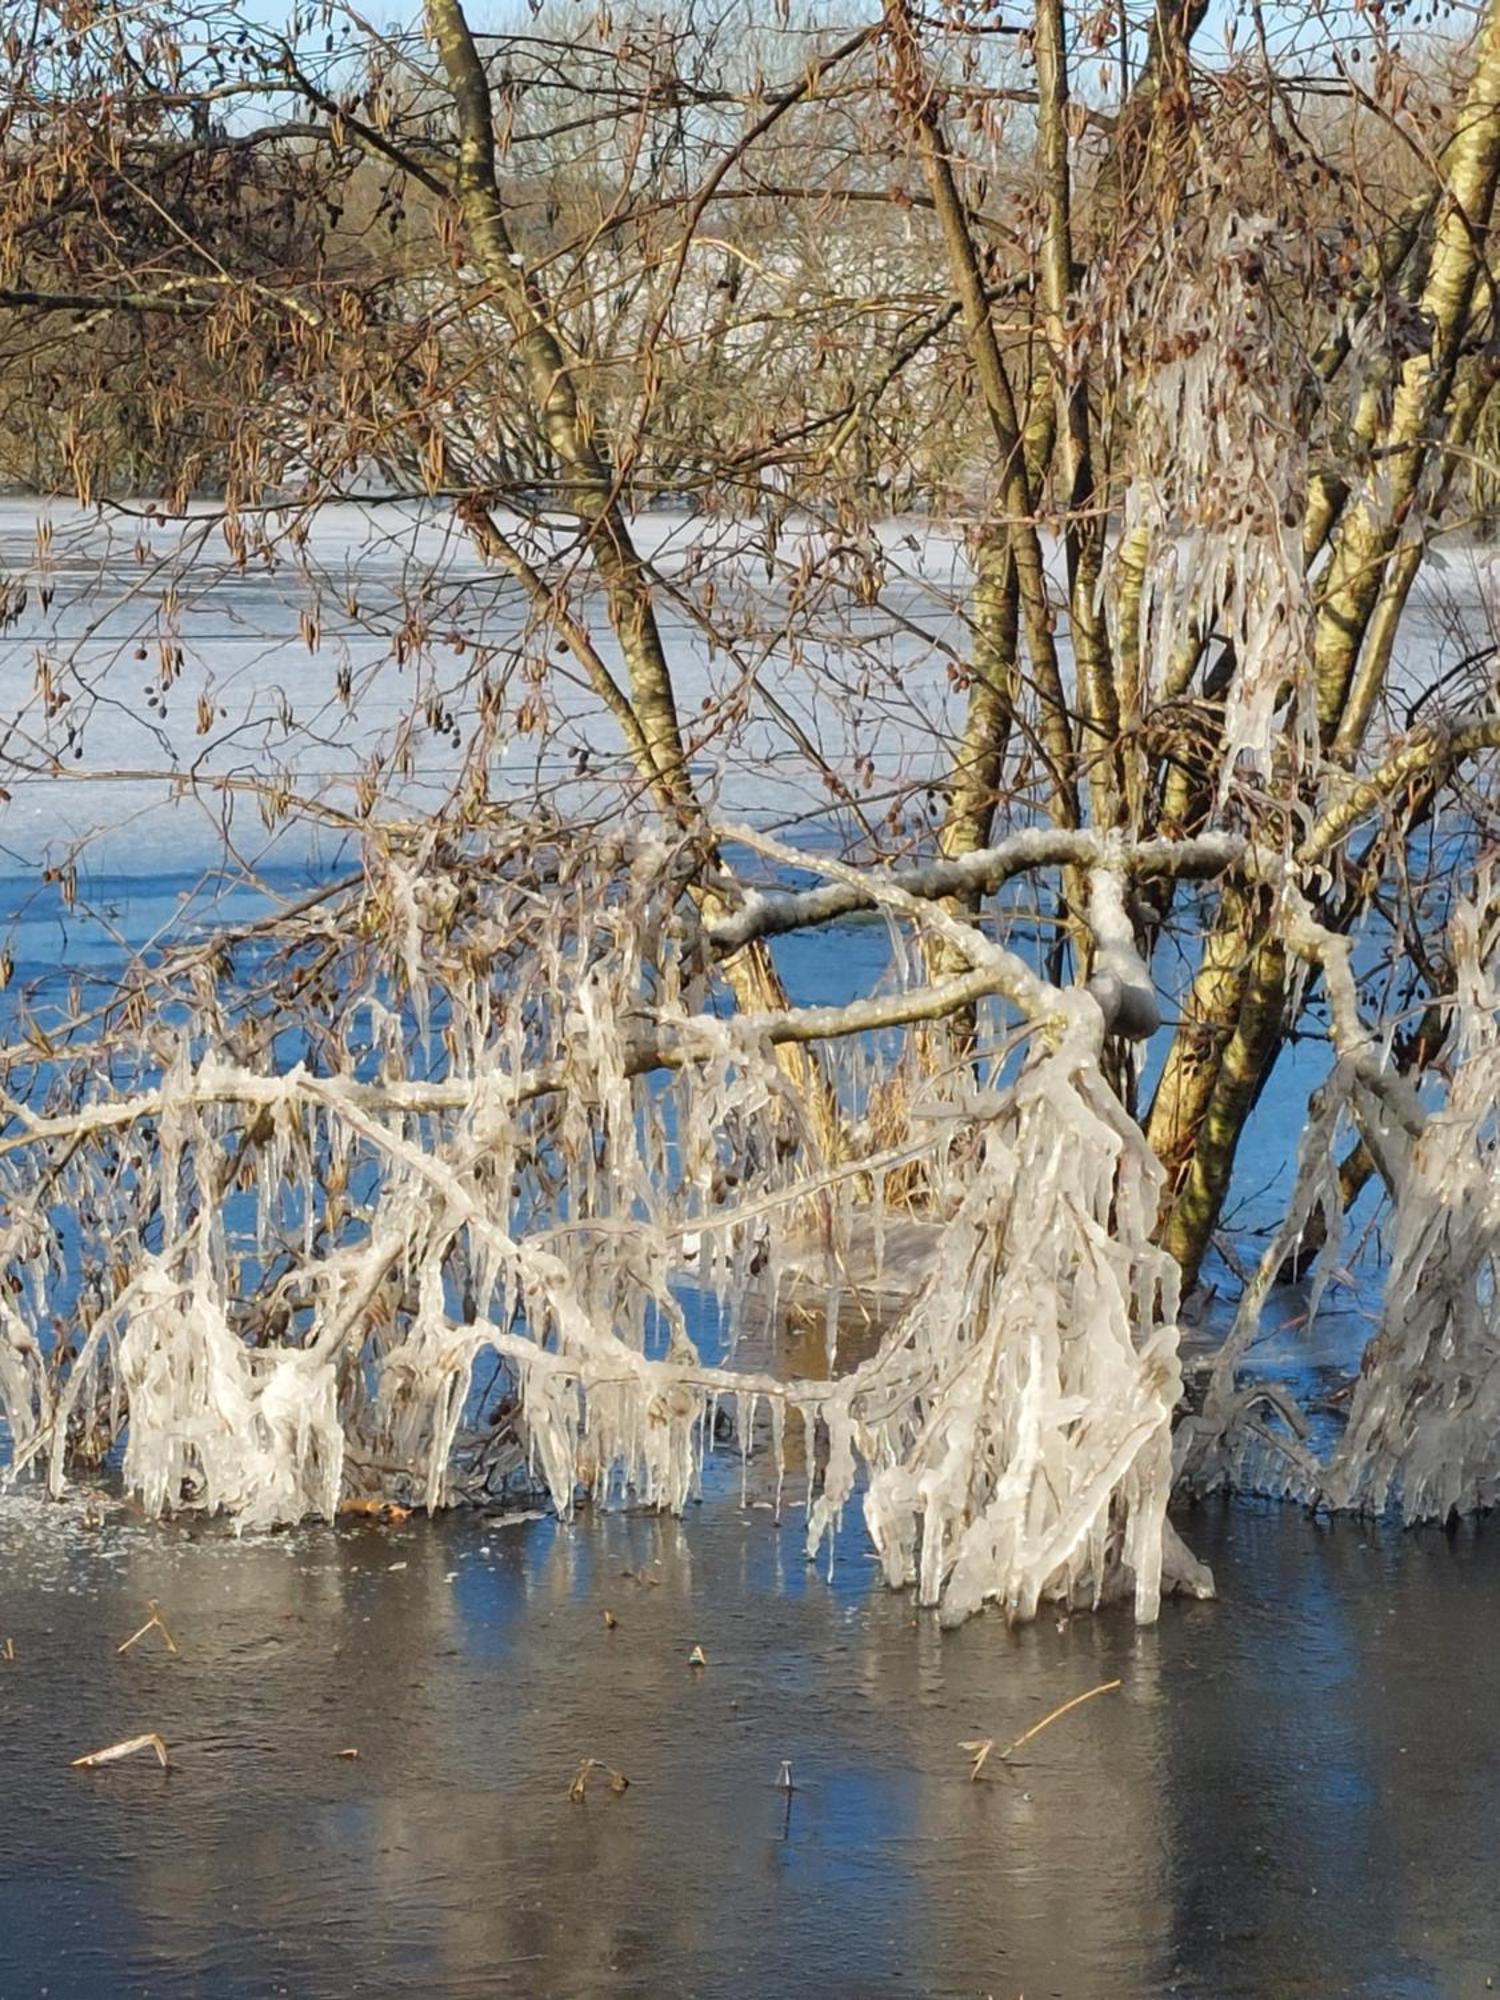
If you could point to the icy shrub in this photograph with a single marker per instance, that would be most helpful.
(490, 1115)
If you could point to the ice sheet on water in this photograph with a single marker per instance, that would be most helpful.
(250, 698)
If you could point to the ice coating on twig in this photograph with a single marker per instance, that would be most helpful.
(1017, 1425)
(1423, 1433)
(1424, 1427)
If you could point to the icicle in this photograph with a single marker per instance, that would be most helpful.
(221, 1426)
(1215, 505)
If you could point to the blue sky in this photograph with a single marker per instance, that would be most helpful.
(1294, 27)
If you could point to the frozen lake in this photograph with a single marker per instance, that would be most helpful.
(312, 664)
(1292, 1792)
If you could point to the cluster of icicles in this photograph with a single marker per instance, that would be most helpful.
(278, 1286)
(1213, 511)
(1422, 1438)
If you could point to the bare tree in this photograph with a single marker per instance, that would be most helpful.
(1198, 374)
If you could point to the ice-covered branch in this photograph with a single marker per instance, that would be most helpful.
(1202, 858)
(1356, 1046)
(1424, 1422)
(981, 873)
(1008, 973)
(1121, 986)
(1121, 979)
(668, 1044)
(1421, 762)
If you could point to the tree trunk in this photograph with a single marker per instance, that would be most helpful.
(575, 436)
(1231, 1031)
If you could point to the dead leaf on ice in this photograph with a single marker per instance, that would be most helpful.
(364, 1507)
(578, 1790)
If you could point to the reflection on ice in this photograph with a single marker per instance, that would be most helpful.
(1254, 1812)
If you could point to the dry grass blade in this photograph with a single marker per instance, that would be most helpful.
(155, 1623)
(8, 1650)
(979, 1749)
(127, 1747)
(1104, 1687)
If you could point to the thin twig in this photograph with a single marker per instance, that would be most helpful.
(154, 1623)
(1104, 1687)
